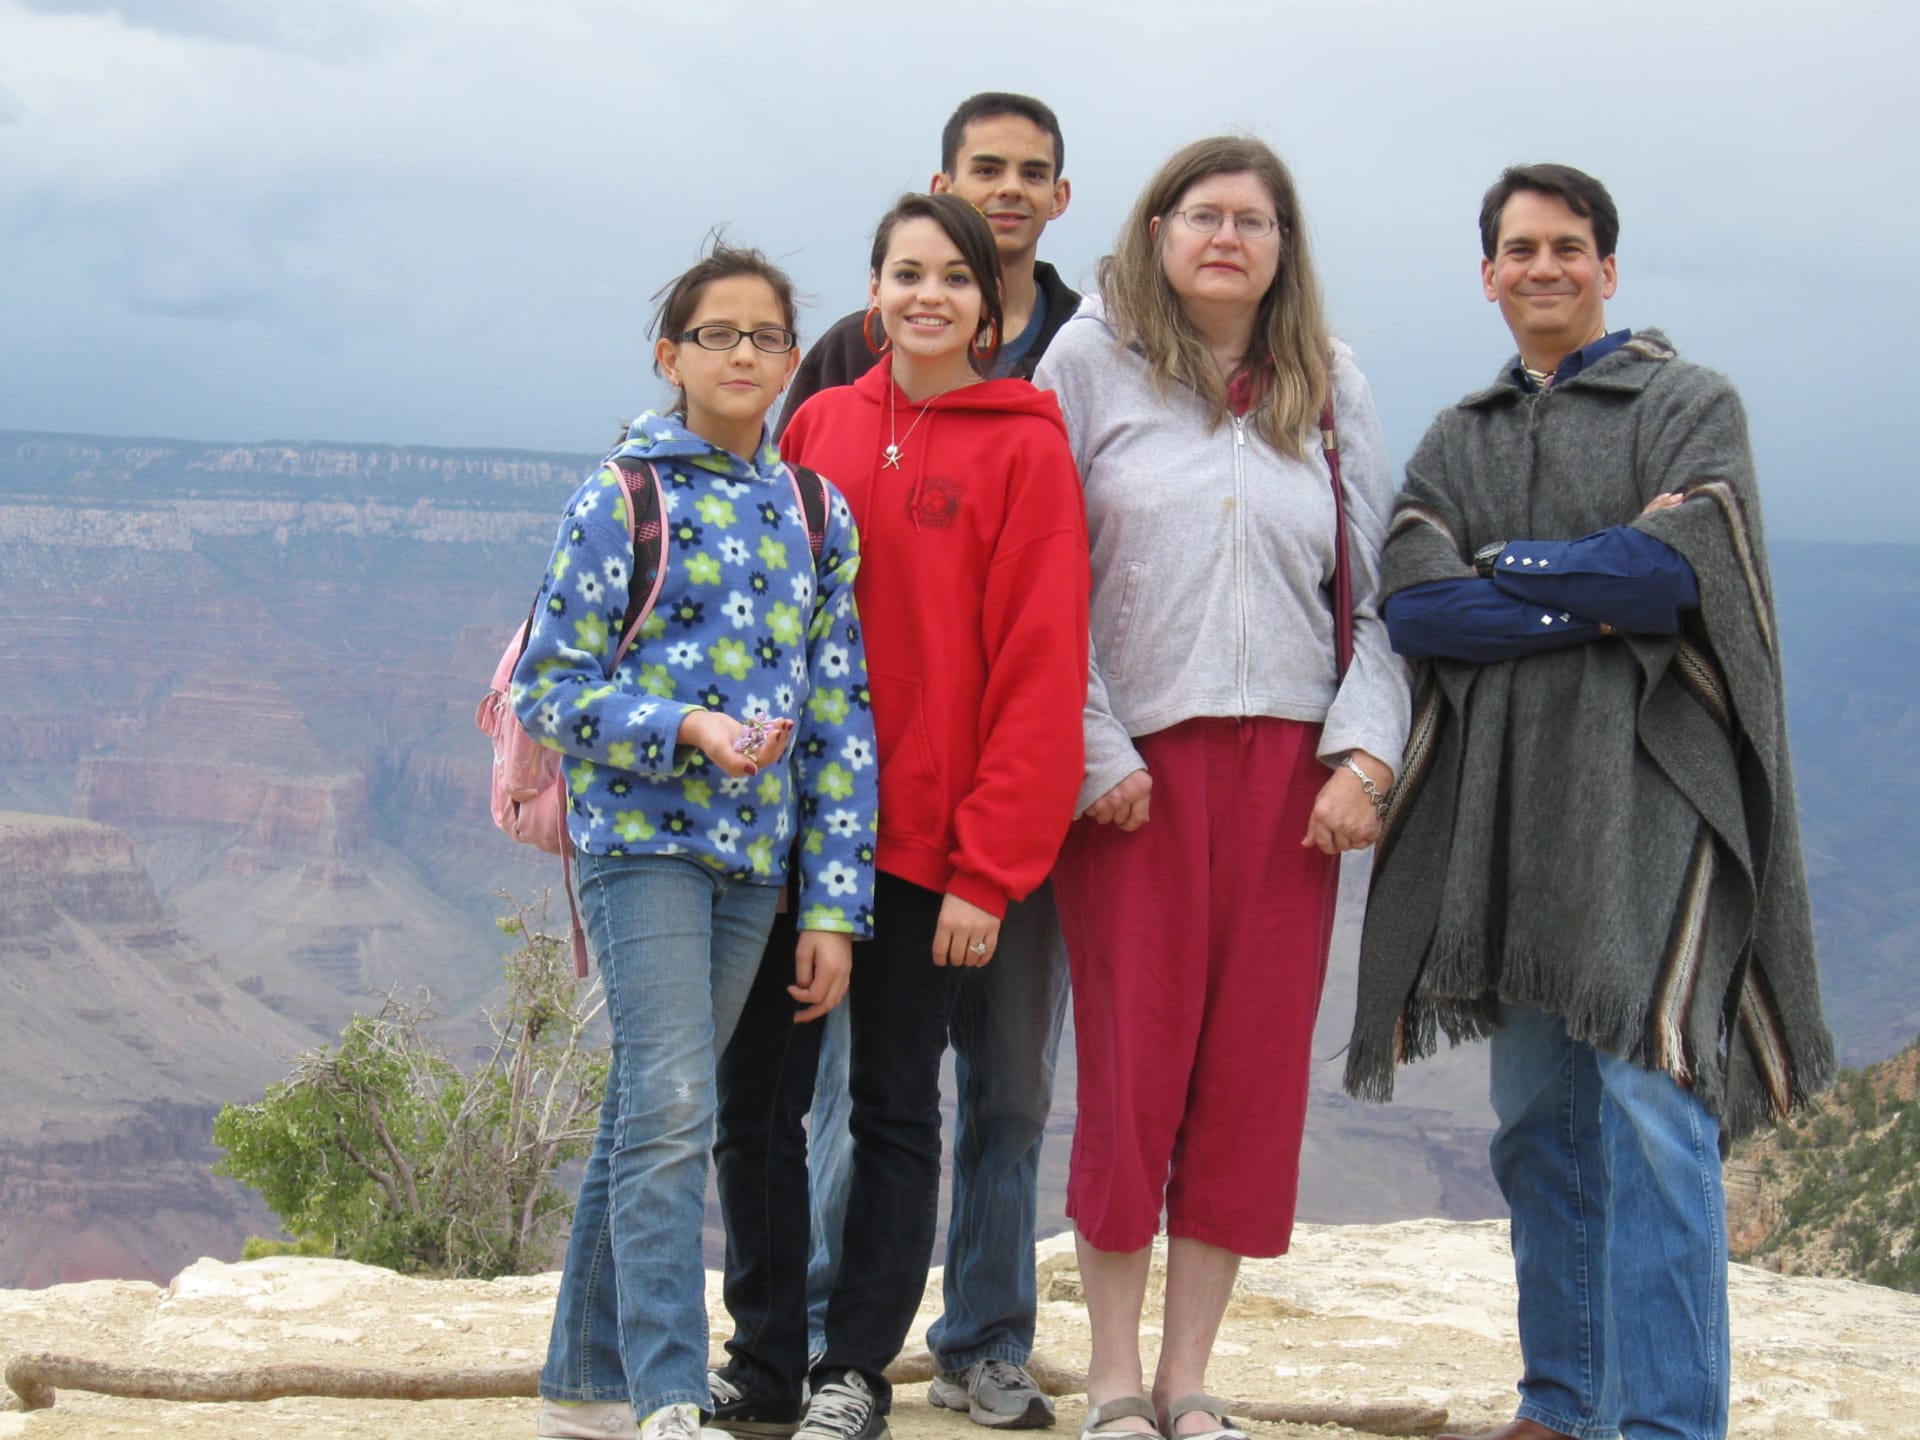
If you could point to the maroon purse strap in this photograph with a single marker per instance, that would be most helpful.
(1342, 563)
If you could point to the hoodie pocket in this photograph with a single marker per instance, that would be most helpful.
(1115, 652)
(913, 801)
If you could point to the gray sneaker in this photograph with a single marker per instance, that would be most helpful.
(995, 1393)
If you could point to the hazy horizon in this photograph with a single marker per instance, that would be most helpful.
(415, 223)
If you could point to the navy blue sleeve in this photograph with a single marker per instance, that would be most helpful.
(1621, 576)
(1473, 620)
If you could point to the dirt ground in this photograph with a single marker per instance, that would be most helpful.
(1419, 1313)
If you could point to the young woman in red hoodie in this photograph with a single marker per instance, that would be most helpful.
(973, 600)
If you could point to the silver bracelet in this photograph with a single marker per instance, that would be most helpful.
(1374, 793)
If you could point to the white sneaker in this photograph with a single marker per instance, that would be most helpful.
(585, 1420)
(678, 1422)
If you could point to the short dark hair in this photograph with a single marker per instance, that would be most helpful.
(986, 105)
(967, 228)
(1583, 195)
(675, 302)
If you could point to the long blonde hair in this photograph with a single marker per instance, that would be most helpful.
(1290, 328)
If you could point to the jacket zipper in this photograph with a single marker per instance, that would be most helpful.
(1240, 548)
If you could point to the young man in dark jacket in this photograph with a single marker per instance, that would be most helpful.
(1002, 153)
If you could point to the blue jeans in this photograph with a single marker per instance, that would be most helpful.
(829, 1168)
(1612, 1175)
(1005, 1032)
(677, 946)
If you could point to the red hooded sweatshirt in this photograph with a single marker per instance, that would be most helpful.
(973, 598)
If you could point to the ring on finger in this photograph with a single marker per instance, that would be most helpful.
(979, 947)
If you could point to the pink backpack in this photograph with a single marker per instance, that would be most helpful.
(529, 792)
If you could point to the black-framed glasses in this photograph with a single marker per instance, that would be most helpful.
(1251, 224)
(770, 339)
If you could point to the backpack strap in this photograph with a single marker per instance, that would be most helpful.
(1342, 565)
(811, 491)
(647, 523)
(646, 511)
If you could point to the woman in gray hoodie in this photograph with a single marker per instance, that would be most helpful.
(1233, 752)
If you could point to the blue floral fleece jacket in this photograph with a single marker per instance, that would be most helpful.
(741, 624)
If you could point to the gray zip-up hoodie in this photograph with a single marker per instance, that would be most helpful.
(1213, 561)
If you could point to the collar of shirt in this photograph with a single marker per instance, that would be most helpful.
(1574, 363)
(1015, 350)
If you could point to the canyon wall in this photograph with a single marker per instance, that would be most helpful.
(121, 1038)
(258, 665)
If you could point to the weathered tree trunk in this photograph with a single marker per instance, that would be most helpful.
(34, 1378)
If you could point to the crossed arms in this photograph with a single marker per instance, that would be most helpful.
(1537, 595)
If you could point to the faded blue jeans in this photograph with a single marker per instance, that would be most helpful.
(1612, 1175)
(1005, 1032)
(829, 1168)
(677, 946)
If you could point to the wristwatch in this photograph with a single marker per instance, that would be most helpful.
(1484, 557)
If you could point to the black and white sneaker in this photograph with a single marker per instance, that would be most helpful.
(741, 1414)
(843, 1408)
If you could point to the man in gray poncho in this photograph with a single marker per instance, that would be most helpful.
(1593, 855)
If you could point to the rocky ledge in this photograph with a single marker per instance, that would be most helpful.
(1418, 1312)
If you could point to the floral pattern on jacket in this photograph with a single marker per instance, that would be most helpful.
(743, 622)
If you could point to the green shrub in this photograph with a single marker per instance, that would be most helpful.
(384, 1150)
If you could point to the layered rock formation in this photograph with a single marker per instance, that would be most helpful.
(235, 758)
(259, 662)
(121, 1038)
(245, 660)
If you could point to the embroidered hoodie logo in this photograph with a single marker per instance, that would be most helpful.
(934, 503)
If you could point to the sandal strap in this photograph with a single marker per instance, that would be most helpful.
(1205, 1404)
(1126, 1407)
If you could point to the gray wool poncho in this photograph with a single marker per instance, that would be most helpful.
(1606, 832)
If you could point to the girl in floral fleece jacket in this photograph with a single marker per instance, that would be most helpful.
(684, 813)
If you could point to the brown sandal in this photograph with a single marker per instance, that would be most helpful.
(1099, 1422)
(1205, 1405)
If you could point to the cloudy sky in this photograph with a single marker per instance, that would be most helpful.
(439, 221)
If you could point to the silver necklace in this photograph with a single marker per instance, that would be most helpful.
(895, 442)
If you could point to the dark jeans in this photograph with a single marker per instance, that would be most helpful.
(1005, 1034)
(902, 1003)
(765, 1082)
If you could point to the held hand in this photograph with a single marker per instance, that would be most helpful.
(1125, 804)
(714, 734)
(822, 968)
(967, 935)
(1343, 817)
(1665, 500)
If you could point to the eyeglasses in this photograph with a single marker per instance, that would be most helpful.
(769, 339)
(1251, 224)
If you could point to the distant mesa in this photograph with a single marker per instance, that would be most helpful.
(238, 758)
(71, 466)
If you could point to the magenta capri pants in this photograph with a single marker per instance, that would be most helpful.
(1198, 946)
